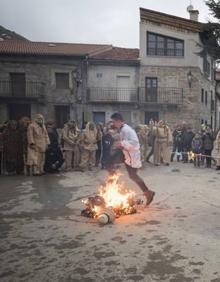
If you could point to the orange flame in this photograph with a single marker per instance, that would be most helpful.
(191, 156)
(115, 194)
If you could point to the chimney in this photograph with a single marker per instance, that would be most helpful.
(193, 14)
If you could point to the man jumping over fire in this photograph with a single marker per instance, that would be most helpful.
(128, 151)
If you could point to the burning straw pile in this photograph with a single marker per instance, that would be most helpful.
(113, 200)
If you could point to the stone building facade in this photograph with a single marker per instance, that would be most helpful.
(180, 82)
(113, 85)
(47, 78)
(164, 79)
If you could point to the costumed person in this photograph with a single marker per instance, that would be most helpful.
(217, 147)
(38, 142)
(89, 146)
(163, 139)
(12, 149)
(54, 157)
(71, 148)
(151, 139)
(142, 133)
(23, 124)
(129, 152)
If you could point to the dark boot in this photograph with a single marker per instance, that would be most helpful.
(149, 196)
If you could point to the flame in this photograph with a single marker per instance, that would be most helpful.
(191, 155)
(115, 194)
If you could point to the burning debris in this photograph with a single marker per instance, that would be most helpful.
(113, 200)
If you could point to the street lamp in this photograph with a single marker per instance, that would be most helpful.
(189, 79)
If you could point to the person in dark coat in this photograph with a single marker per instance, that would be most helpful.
(197, 149)
(177, 143)
(208, 144)
(12, 149)
(107, 142)
(187, 137)
(99, 143)
(54, 157)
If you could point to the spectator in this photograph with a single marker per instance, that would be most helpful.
(99, 143)
(217, 147)
(107, 142)
(177, 143)
(89, 146)
(187, 137)
(197, 149)
(38, 142)
(71, 139)
(208, 144)
(54, 157)
(12, 149)
(163, 138)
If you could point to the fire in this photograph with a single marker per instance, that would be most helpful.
(191, 156)
(115, 194)
(113, 197)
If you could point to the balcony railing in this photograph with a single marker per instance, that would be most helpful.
(103, 94)
(161, 95)
(29, 89)
(172, 96)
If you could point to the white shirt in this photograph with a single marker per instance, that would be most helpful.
(131, 146)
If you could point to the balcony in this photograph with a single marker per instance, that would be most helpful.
(27, 90)
(156, 96)
(112, 95)
(161, 96)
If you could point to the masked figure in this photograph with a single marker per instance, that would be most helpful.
(22, 128)
(89, 146)
(71, 139)
(38, 142)
(142, 133)
(163, 139)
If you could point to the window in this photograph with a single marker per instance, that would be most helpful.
(206, 97)
(160, 45)
(206, 66)
(99, 75)
(212, 102)
(202, 96)
(62, 80)
(150, 89)
(62, 115)
(18, 84)
(99, 117)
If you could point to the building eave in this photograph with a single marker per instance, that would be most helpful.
(170, 20)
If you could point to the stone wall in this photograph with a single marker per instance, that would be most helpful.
(44, 72)
(192, 110)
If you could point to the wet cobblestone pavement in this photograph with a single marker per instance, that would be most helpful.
(44, 238)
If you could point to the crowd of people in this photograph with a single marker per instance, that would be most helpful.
(33, 147)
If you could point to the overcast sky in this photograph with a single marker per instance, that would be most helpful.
(87, 21)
